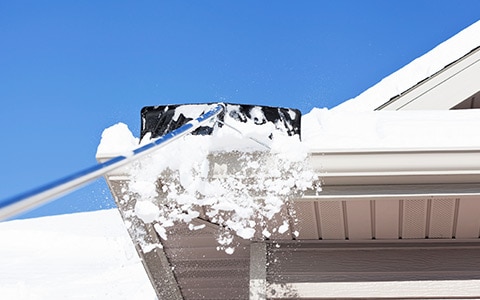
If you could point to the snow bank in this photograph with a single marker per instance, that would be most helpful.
(77, 256)
(419, 69)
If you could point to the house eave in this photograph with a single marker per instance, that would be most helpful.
(358, 173)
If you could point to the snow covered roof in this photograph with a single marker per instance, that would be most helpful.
(385, 176)
(421, 68)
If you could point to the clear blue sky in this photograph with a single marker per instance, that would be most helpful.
(69, 69)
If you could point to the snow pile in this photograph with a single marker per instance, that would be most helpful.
(77, 256)
(419, 69)
(227, 178)
(324, 129)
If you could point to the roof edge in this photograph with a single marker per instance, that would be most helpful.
(419, 69)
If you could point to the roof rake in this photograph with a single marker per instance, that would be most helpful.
(165, 124)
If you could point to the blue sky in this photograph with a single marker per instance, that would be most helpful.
(69, 69)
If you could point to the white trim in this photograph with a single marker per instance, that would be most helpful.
(258, 271)
(444, 90)
(417, 70)
(393, 289)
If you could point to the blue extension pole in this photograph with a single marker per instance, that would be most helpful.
(14, 205)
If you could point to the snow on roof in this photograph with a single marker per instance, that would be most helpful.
(338, 129)
(416, 71)
(324, 129)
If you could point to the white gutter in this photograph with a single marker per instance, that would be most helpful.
(381, 166)
(393, 173)
(388, 173)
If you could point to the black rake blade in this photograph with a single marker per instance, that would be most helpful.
(159, 120)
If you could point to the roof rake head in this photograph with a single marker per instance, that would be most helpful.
(160, 120)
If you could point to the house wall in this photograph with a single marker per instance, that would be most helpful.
(374, 270)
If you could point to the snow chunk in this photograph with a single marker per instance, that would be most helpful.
(162, 232)
(193, 227)
(283, 228)
(229, 250)
(117, 140)
(146, 211)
